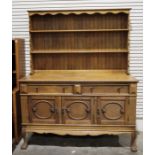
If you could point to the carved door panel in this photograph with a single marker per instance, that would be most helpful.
(111, 110)
(43, 109)
(77, 110)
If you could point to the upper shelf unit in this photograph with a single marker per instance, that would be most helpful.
(81, 39)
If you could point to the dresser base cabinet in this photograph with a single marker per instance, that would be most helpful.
(78, 108)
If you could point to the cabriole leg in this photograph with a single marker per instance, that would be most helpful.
(26, 137)
(133, 141)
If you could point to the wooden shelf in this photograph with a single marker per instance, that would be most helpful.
(79, 75)
(81, 51)
(84, 30)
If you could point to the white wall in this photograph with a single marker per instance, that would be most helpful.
(20, 28)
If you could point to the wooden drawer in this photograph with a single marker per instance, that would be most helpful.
(50, 89)
(74, 89)
(96, 89)
(46, 89)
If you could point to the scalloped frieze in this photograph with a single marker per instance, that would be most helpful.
(78, 12)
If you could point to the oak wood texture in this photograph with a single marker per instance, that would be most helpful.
(79, 75)
(94, 33)
(48, 110)
(43, 110)
(112, 110)
(17, 73)
(80, 61)
(80, 40)
(77, 110)
(79, 82)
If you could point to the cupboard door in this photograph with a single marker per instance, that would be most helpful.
(77, 110)
(43, 109)
(111, 110)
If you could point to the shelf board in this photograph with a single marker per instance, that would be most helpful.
(80, 30)
(81, 51)
(79, 75)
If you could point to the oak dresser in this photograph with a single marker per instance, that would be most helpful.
(80, 82)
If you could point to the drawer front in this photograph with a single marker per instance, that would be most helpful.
(43, 109)
(77, 110)
(50, 89)
(74, 89)
(105, 89)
